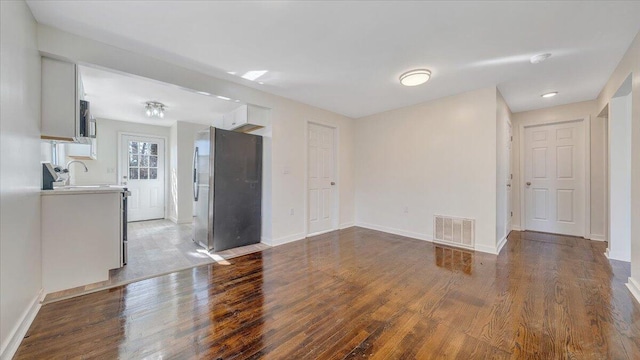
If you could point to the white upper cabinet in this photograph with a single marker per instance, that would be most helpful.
(246, 118)
(60, 100)
(83, 151)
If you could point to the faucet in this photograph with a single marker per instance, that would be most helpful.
(66, 170)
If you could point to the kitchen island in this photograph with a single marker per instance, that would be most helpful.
(82, 233)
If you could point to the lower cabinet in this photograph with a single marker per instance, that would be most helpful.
(81, 238)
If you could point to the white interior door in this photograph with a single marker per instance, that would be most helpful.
(321, 182)
(142, 171)
(555, 178)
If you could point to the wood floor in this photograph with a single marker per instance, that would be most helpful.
(360, 293)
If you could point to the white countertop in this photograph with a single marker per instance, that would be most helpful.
(83, 189)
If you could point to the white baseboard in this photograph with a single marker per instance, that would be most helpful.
(516, 228)
(486, 249)
(634, 287)
(620, 256)
(409, 234)
(597, 237)
(18, 332)
(502, 243)
(346, 225)
(287, 239)
(321, 232)
(172, 219)
(266, 241)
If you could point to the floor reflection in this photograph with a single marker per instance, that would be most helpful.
(454, 259)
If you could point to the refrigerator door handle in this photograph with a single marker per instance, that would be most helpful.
(196, 188)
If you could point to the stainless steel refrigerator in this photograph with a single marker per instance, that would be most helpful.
(227, 189)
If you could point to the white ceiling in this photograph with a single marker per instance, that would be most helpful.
(123, 97)
(347, 56)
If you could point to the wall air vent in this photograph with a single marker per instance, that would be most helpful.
(454, 231)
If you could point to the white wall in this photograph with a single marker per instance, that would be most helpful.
(620, 178)
(630, 64)
(288, 121)
(503, 118)
(104, 170)
(567, 112)
(433, 158)
(172, 211)
(20, 248)
(185, 139)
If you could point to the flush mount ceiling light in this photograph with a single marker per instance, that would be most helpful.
(549, 94)
(154, 109)
(537, 59)
(415, 77)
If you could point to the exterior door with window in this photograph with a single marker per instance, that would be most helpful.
(142, 172)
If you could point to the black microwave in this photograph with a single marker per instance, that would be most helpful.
(87, 126)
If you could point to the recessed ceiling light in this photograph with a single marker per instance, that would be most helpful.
(223, 98)
(203, 93)
(231, 72)
(415, 77)
(537, 59)
(549, 94)
(253, 74)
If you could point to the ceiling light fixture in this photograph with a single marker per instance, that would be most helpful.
(415, 77)
(203, 93)
(253, 74)
(537, 59)
(549, 94)
(223, 98)
(154, 109)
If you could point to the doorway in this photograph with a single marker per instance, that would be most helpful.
(321, 179)
(555, 168)
(141, 167)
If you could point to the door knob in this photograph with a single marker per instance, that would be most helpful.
(332, 183)
(508, 185)
(528, 183)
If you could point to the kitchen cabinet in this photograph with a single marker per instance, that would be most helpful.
(83, 151)
(245, 118)
(81, 236)
(61, 108)
(60, 100)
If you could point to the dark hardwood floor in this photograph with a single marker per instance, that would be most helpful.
(360, 293)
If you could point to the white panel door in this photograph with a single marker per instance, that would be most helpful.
(321, 182)
(555, 178)
(142, 171)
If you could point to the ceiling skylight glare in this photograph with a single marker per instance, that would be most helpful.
(253, 75)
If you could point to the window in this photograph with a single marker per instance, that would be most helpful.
(143, 160)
